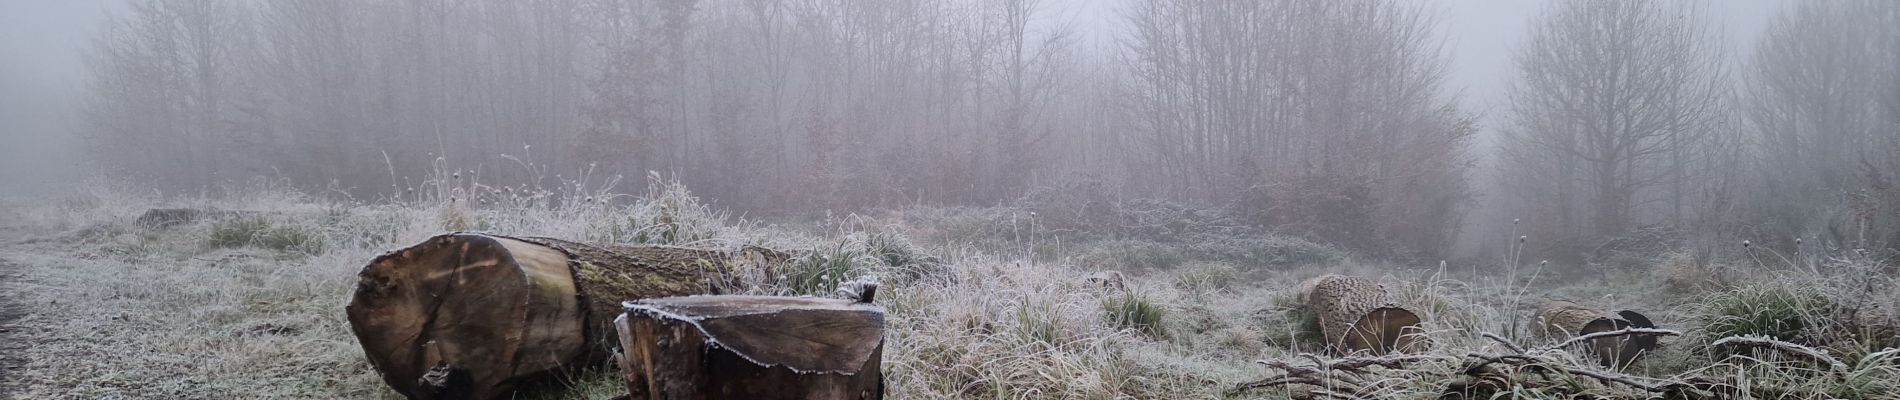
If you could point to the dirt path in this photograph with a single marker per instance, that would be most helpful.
(11, 346)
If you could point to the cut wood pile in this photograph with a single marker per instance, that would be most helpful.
(471, 316)
(1563, 320)
(1357, 315)
(753, 347)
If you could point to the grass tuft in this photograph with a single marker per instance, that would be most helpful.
(1134, 311)
(1780, 311)
(822, 270)
(259, 232)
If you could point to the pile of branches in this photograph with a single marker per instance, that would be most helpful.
(1550, 369)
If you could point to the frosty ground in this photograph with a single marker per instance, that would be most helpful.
(984, 302)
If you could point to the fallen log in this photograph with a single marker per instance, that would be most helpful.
(1561, 319)
(752, 347)
(472, 316)
(1356, 314)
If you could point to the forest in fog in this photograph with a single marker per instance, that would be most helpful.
(1330, 120)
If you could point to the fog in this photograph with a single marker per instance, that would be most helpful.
(794, 107)
(41, 77)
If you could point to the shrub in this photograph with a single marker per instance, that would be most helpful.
(1162, 221)
(1195, 319)
(1038, 321)
(1337, 208)
(1638, 248)
(1779, 311)
(894, 250)
(1290, 323)
(1686, 273)
(1205, 278)
(293, 238)
(821, 271)
(667, 214)
(1132, 311)
(259, 232)
(908, 262)
(1082, 205)
(237, 232)
(1436, 302)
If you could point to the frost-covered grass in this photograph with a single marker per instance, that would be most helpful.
(983, 302)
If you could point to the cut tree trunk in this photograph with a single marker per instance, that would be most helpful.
(752, 347)
(1560, 320)
(1355, 314)
(471, 316)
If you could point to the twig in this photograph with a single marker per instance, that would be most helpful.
(1317, 362)
(1394, 362)
(1878, 354)
(1281, 380)
(1486, 359)
(1289, 367)
(1532, 361)
(1624, 332)
(1764, 342)
(1507, 343)
(1337, 374)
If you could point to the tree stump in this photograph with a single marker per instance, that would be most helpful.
(752, 347)
(471, 316)
(1560, 320)
(1355, 314)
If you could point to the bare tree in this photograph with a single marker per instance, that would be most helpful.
(1823, 103)
(165, 80)
(1610, 97)
(1327, 117)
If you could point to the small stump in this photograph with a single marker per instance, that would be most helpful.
(1559, 320)
(1356, 314)
(752, 347)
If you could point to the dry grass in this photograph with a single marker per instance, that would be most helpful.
(118, 311)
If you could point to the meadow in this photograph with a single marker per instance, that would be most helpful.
(984, 302)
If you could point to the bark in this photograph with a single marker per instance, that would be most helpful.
(752, 347)
(1356, 314)
(1560, 319)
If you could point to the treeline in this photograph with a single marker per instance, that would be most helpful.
(1313, 115)
(790, 103)
(1325, 119)
(1630, 116)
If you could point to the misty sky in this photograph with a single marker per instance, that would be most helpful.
(42, 45)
